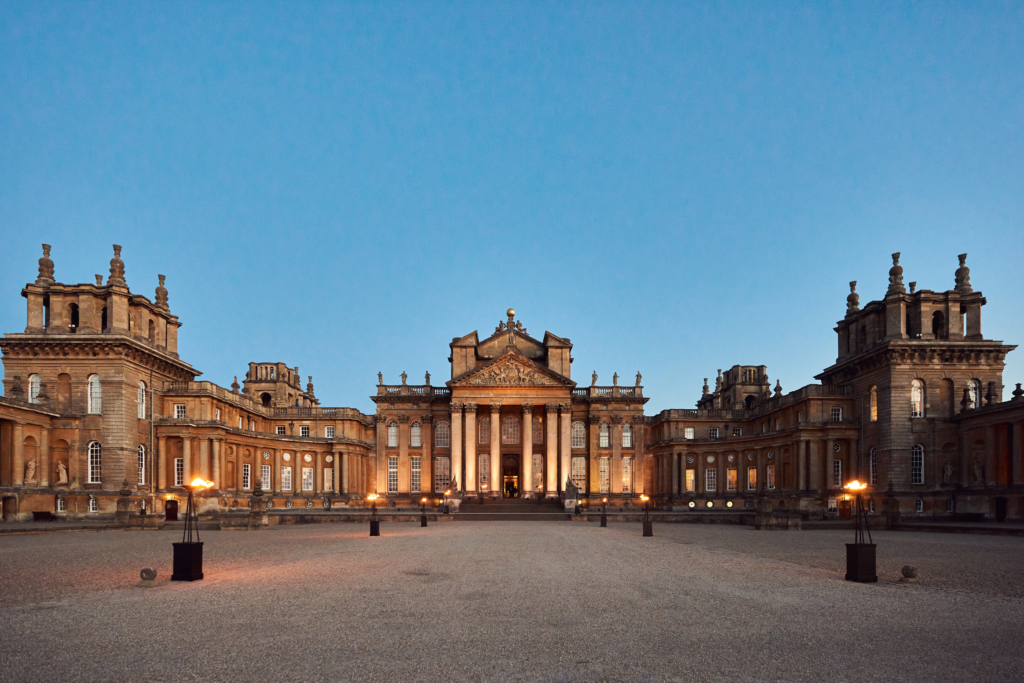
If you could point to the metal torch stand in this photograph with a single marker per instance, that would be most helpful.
(423, 515)
(860, 555)
(188, 555)
(604, 516)
(374, 522)
(648, 524)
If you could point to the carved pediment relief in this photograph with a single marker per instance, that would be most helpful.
(511, 373)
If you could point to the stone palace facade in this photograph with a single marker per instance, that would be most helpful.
(99, 407)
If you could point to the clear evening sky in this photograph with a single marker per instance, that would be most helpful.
(676, 187)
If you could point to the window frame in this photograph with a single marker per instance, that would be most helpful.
(415, 474)
(279, 430)
(579, 435)
(769, 476)
(95, 395)
(442, 473)
(392, 434)
(713, 433)
(917, 464)
(627, 434)
(246, 476)
(141, 400)
(308, 479)
(627, 475)
(604, 435)
(688, 433)
(483, 429)
(837, 473)
(266, 472)
(873, 467)
(443, 438)
(873, 402)
(142, 464)
(836, 414)
(95, 455)
(732, 479)
(711, 480)
(180, 411)
(751, 477)
(916, 398)
(691, 479)
(392, 474)
(286, 478)
(510, 431)
(416, 435)
(179, 471)
(303, 430)
(329, 432)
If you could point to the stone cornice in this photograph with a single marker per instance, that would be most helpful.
(95, 346)
(913, 352)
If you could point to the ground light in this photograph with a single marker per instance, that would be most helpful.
(423, 512)
(604, 512)
(188, 555)
(374, 522)
(860, 555)
(648, 525)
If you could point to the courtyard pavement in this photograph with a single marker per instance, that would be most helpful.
(510, 601)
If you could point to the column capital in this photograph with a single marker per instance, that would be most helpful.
(527, 409)
(381, 418)
(470, 407)
(565, 407)
(455, 408)
(495, 408)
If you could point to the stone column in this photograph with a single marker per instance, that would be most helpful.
(830, 456)
(456, 409)
(594, 452)
(496, 450)
(276, 476)
(186, 455)
(551, 462)
(341, 475)
(19, 455)
(161, 463)
(215, 477)
(472, 438)
(675, 474)
(615, 463)
(801, 465)
(991, 442)
(336, 472)
(1016, 459)
(44, 458)
(565, 439)
(318, 472)
(815, 466)
(526, 471)
(204, 458)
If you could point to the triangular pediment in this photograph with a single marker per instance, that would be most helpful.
(511, 369)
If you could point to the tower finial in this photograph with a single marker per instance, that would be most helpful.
(161, 294)
(896, 277)
(45, 268)
(852, 299)
(117, 268)
(963, 276)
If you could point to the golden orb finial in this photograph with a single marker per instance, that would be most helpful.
(511, 312)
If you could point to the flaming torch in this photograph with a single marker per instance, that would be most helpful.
(188, 555)
(860, 555)
(374, 522)
(604, 512)
(648, 524)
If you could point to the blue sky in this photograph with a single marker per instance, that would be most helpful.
(677, 187)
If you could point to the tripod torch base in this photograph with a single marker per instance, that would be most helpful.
(648, 528)
(860, 562)
(375, 527)
(188, 562)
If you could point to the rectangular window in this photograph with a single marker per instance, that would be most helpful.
(731, 479)
(280, 429)
(627, 475)
(919, 506)
(328, 479)
(538, 431)
(833, 505)
(710, 480)
(603, 436)
(265, 476)
(688, 433)
(769, 476)
(246, 476)
(484, 427)
(579, 473)
(605, 473)
(240, 422)
(949, 504)
(93, 505)
(837, 414)
(393, 474)
(485, 470)
(917, 464)
(218, 414)
(179, 411)
(751, 478)
(415, 435)
(329, 432)
(442, 474)
(509, 430)
(799, 416)
(142, 465)
(179, 471)
(538, 472)
(307, 478)
(286, 478)
(414, 475)
(713, 432)
(737, 431)
(691, 480)
(304, 430)
(837, 474)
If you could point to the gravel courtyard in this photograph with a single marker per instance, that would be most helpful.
(500, 601)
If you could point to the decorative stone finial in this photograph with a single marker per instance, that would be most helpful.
(778, 389)
(45, 268)
(593, 379)
(963, 276)
(309, 386)
(704, 392)
(615, 380)
(427, 378)
(99, 280)
(639, 378)
(404, 377)
(161, 294)
(380, 378)
(117, 268)
(1018, 393)
(718, 381)
(234, 385)
(896, 277)
(852, 299)
(913, 287)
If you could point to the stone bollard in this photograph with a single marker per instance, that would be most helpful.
(258, 518)
(124, 504)
(148, 577)
(909, 574)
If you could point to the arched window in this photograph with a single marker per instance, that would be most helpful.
(265, 399)
(95, 463)
(604, 436)
(73, 318)
(627, 435)
(415, 435)
(509, 430)
(103, 319)
(484, 429)
(917, 398)
(95, 395)
(973, 394)
(874, 403)
(142, 464)
(579, 435)
(142, 400)
(442, 436)
(392, 434)
(34, 384)
(873, 475)
(917, 464)
(939, 325)
(748, 402)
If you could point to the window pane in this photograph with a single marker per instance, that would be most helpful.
(691, 480)
(414, 480)
(393, 474)
(442, 473)
(509, 430)
(579, 473)
(710, 480)
(414, 436)
(484, 427)
(732, 476)
(442, 436)
(307, 478)
(604, 438)
(579, 435)
(392, 435)
(627, 475)
(627, 435)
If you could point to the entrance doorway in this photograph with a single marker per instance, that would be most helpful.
(171, 508)
(1001, 509)
(510, 478)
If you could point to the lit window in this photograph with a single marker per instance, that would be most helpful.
(442, 438)
(142, 464)
(280, 429)
(579, 473)
(415, 436)
(304, 430)
(713, 433)
(414, 479)
(93, 505)
(538, 431)
(95, 395)
(179, 471)
(329, 478)
(731, 477)
(329, 432)
(604, 437)
(392, 434)
(393, 474)
(142, 401)
(917, 398)
(34, 387)
(95, 463)
(917, 464)
(737, 431)
(538, 472)
(688, 433)
(769, 476)
(691, 480)
(179, 411)
(873, 474)
(710, 480)
(579, 435)
(240, 422)
(286, 478)
(751, 478)
(509, 430)
(837, 474)
(442, 472)
(874, 403)
(265, 476)
(484, 429)
(919, 506)
(307, 478)
(627, 475)
(246, 476)
(485, 469)
(627, 435)
(837, 414)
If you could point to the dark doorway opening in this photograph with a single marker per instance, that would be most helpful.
(1000, 509)
(510, 478)
(172, 511)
